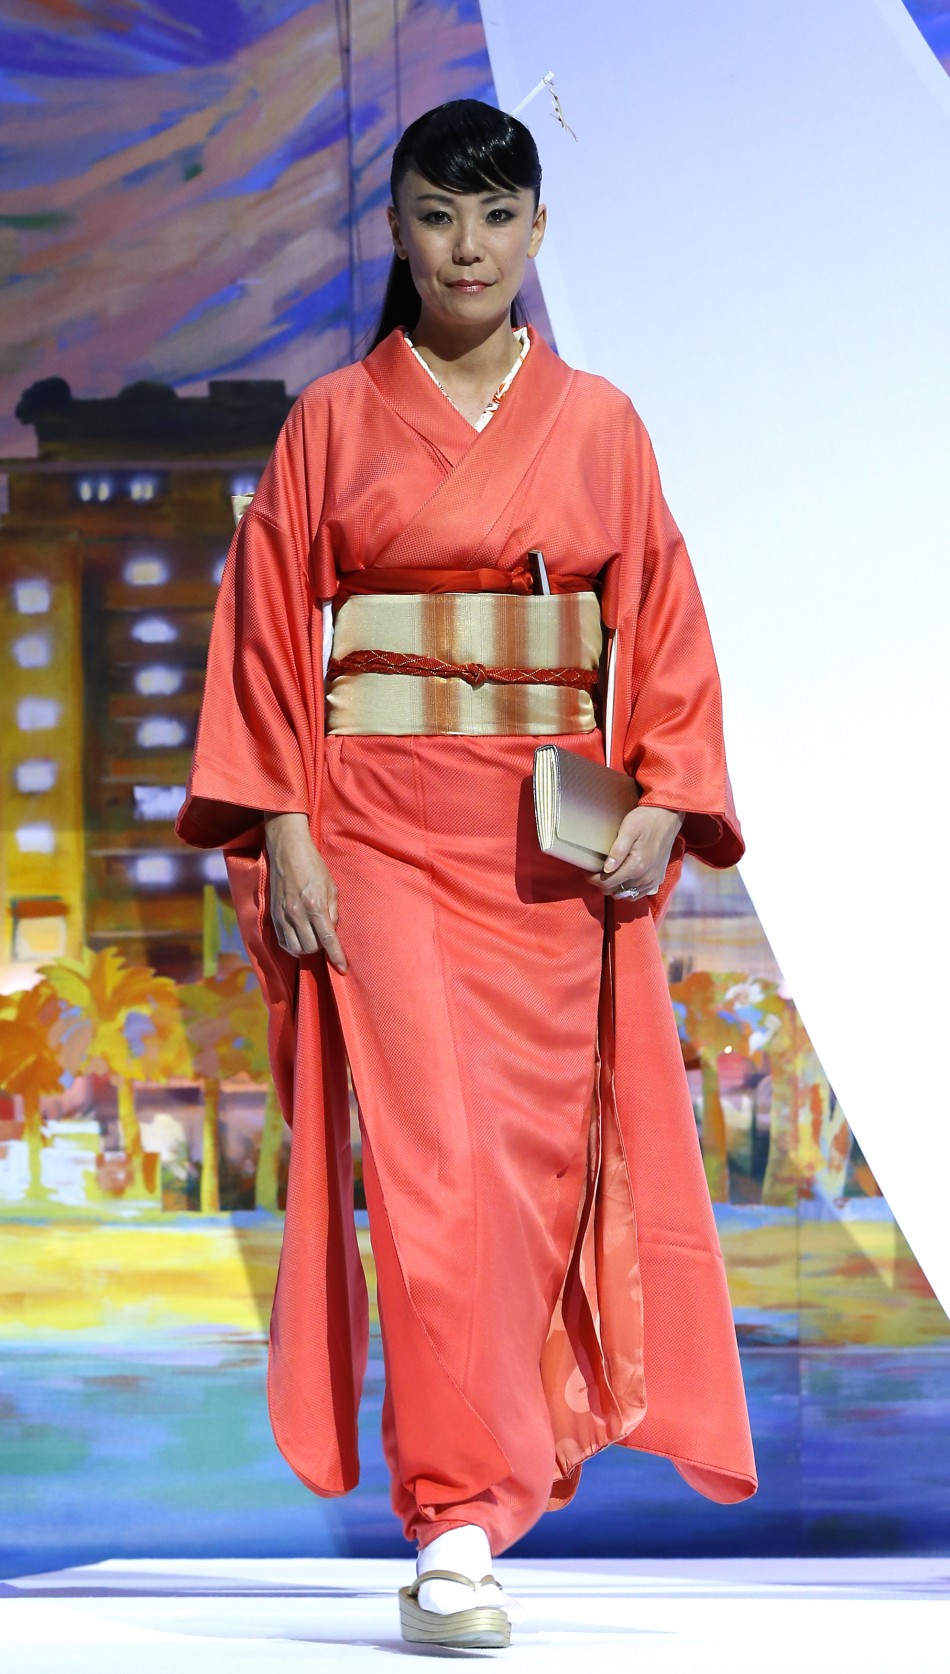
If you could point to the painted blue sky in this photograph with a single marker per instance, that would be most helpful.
(196, 191)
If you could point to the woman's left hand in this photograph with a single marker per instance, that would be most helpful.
(640, 852)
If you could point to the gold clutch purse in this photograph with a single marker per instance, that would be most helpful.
(578, 805)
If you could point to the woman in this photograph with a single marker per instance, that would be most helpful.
(548, 1271)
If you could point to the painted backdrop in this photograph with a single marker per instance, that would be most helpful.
(192, 228)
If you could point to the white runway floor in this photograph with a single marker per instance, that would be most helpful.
(736, 1616)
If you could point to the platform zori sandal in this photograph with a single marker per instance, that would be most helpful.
(481, 1624)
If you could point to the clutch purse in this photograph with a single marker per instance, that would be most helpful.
(578, 805)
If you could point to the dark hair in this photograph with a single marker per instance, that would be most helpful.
(464, 146)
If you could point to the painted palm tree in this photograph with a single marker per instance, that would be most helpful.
(220, 1016)
(705, 1033)
(134, 1034)
(220, 925)
(38, 1048)
(809, 1138)
(272, 1133)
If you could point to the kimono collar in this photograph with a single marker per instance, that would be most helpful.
(407, 387)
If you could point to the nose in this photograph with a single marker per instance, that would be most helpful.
(466, 248)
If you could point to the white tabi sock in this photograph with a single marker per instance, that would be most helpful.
(467, 1550)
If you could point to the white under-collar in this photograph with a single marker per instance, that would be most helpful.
(518, 332)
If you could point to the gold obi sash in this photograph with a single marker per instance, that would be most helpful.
(462, 661)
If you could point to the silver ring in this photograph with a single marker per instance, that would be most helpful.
(629, 894)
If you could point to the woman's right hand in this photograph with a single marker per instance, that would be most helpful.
(303, 896)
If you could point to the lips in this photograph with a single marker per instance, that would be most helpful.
(468, 284)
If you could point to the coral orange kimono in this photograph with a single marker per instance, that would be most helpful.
(374, 465)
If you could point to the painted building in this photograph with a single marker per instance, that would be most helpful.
(113, 542)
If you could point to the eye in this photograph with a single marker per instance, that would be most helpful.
(507, 214)
(430, 217)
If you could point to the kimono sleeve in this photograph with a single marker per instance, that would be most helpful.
(674, 744)
(256, 738)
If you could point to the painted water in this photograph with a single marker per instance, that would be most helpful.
(164, 1449)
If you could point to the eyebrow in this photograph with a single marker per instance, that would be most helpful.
(446, 197)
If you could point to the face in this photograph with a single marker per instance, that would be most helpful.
(466, 250)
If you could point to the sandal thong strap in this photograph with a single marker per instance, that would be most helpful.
(449, 1575)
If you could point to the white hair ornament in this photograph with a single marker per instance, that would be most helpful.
(558, 114)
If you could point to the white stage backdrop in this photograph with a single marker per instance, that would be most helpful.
(751, 238)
